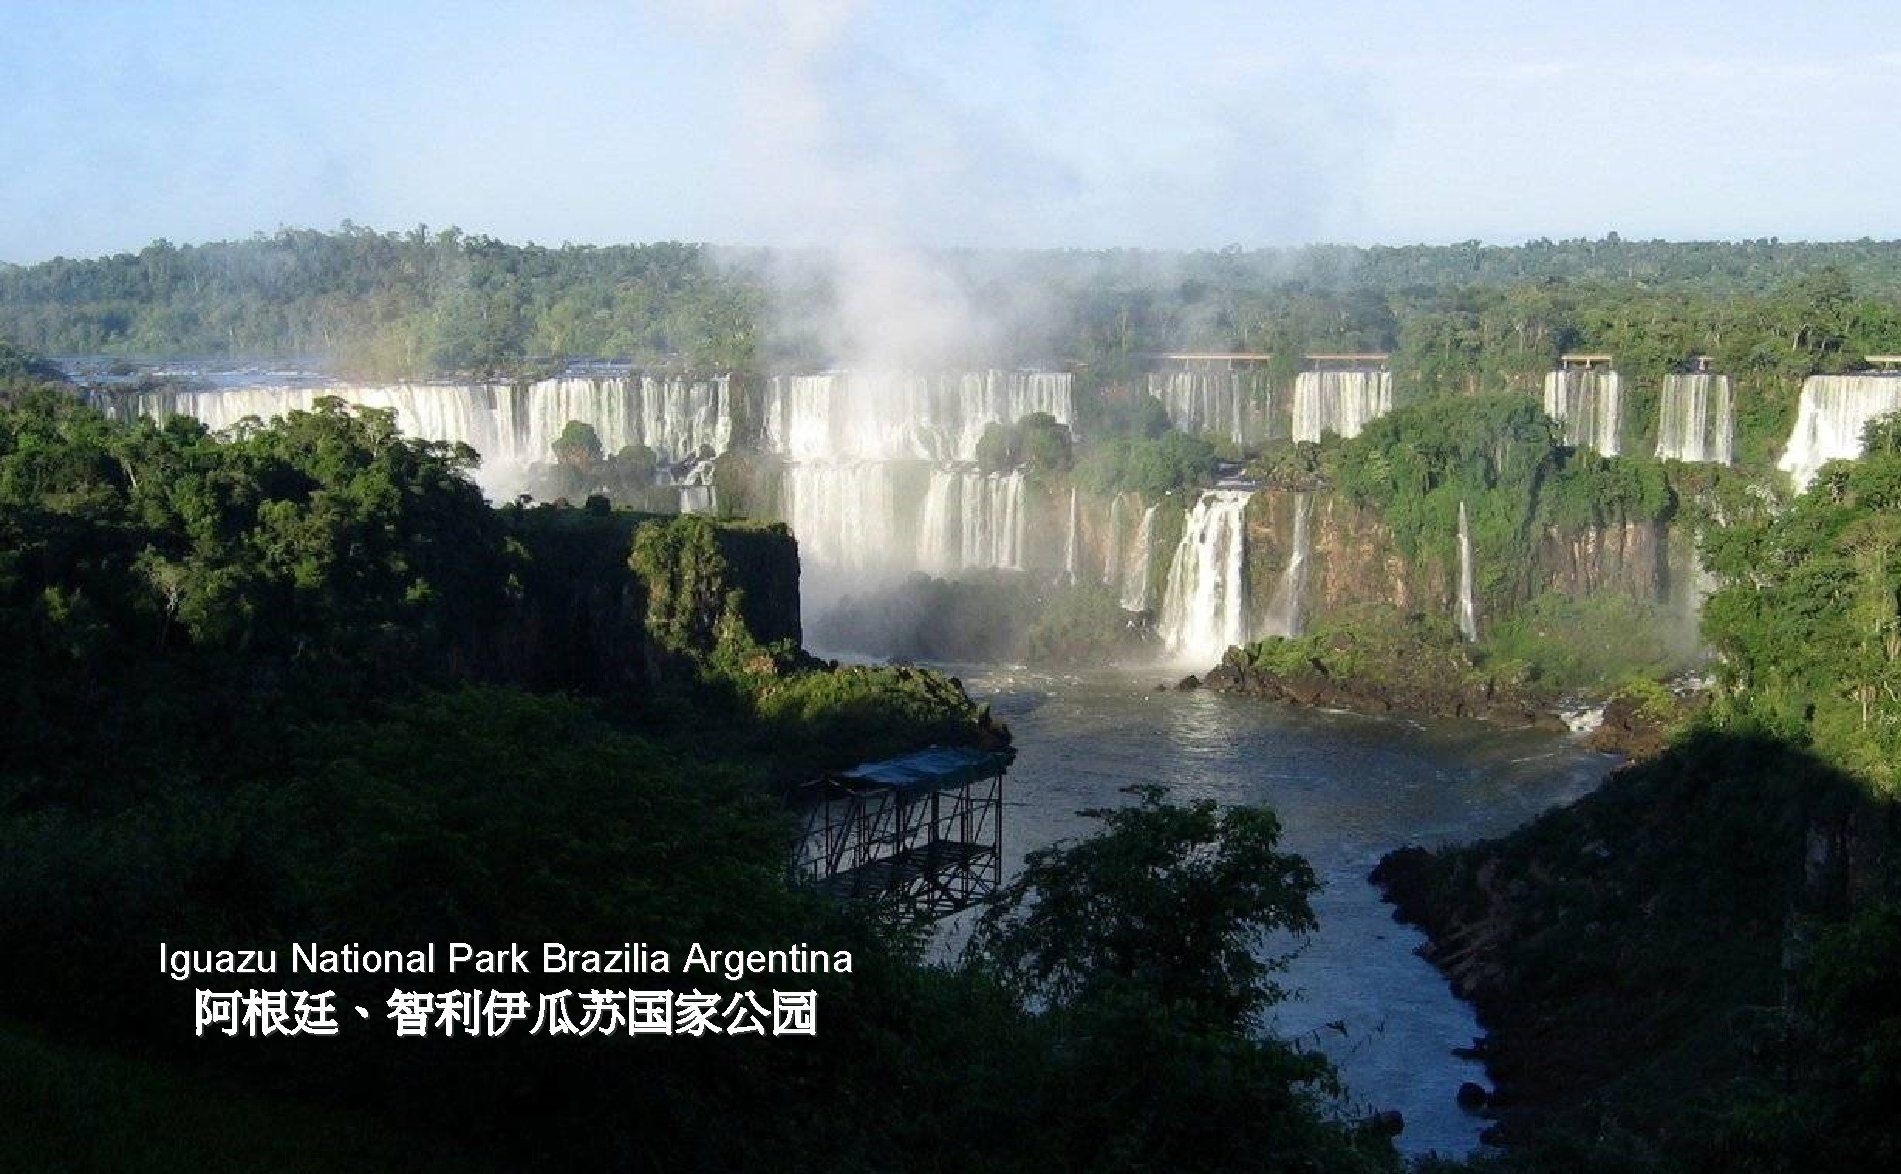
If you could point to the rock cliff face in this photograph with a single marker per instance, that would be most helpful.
(612, 602)
(1354, 558)
(1638, 559)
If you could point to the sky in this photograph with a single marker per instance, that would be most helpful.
(1099, 124)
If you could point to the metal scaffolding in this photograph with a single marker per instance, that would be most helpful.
(922, 833)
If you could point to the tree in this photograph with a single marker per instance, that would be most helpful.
(1177, 901)
(578, 446)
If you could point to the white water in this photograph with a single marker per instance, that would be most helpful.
(842, 416)
(1204, 399)
(1829, 421)
(1072, 551)
(1204, 609)
(513, 426)
(864, 510)
(845, 517)
(1112, 560)
(1589, 403)
(1286, 612)
(1341, 402)
(857, 524)
(1698, 419)
(1468, 607)
(1135, 568)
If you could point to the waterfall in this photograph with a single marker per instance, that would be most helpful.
(1468, 607)
(1135, 569)
(1204, 610)
(1286, 612)
(864, 421)
(1829, 422)
(1112, 564)
(846, 520)
(513, 426)
(968, 521)
(940, 529)
(1589, 403)
(993, 521)
(1072, 555)
(1698, 419)
(1341, 402)
(1204, 399)
(839, 415)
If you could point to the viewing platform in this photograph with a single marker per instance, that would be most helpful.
(1317, 360)
(1584, 361)
(922, 832)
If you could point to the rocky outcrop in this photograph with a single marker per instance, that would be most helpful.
(1317, 688)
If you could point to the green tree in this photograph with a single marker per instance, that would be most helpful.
(1176, 901)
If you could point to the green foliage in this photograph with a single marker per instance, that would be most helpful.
(390, 304)
(1592, 641)
(1037, 444)
(1169, 463)
(578, 445)
(73, 1108)
(857, 713)
(22, 371)
(722, 596)
(1174, 902)
(1146, 940)
(1374, 644)
(1809, 619)
(1081, 625)
(1500, 456)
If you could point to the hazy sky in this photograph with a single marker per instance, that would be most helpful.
(1196, 123)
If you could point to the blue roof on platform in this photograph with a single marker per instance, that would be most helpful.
(937, 766)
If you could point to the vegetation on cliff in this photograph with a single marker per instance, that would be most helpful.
(1693, 968)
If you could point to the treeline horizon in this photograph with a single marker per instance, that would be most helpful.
(1466, 316)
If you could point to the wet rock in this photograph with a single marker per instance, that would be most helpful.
(1189, 683)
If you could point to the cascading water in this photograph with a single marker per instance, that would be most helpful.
(845, 517)
(1204, 610)
(993, 521)
(1112, 564)
(1589, 403)
(1072, 547)
(1698, 419)
(1342, 402)
(513, 426)
(1203, 399)
(1286, 612)
(1468, 607)
(1135, 568)
(840, 416)
(1830, 418)
(908, 443)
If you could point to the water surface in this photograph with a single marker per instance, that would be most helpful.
(1348, 789)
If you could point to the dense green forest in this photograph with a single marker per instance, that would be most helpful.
(1457, 317)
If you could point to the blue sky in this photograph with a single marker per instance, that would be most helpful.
(1188, 124)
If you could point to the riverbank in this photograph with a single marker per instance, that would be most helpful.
(1379, 662)
(1347, 788)
(1638, 957)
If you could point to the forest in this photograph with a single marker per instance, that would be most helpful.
(1456, 318)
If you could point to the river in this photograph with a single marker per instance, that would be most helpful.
(1348, 788)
